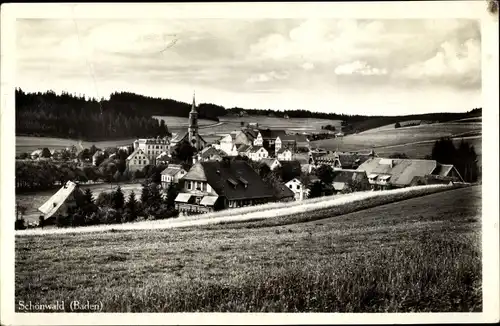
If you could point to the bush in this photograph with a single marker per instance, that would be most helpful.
(20, 224)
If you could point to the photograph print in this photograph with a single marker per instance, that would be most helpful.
(303, 164)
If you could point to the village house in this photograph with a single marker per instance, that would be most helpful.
(246, 136)
(163, 158)
(386, 172)
(172, 174)
(227, 144)
(152, 147)
(346, 178)
(293, 142)
(298, 188)
(272, 163)
(211, 154)
(212, 185)
(244, 150)
(284, 154)
(137, 161)
(282, 193)
(257, 153)
(59, 204)
(268, 137)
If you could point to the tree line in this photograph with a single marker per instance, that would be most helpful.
(463, 157)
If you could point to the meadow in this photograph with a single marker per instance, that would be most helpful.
(416, 255)
(291, 125)
(373, 139)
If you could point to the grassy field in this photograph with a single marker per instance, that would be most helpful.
(181, 122)
(34, 200)
(291, 125)
(421, 254)
(401, 136)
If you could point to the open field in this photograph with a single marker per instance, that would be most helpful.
(382, 138)
(34, 200)
(27, 144)
(292, 124)
(421, 254)
(181, 122)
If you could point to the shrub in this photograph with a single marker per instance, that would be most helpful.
(20, 224)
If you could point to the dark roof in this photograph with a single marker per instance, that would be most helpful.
(349, 175)
(256, 148)
(244, 148)
(228, 179)
(271, 134)
(212, 151)
(252, 133)
(281, 191)
(402, 171)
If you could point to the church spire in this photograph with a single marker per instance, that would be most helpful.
(193, 106)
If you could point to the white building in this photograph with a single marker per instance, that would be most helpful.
(298, 188)
(272, 163)
(152, 147)
(137, 161)
(284, 154)
(257, 153)
(172, 174)
(227, 144)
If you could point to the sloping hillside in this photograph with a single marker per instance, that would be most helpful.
(422, 254)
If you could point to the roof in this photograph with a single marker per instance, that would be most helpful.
(252, 133)
(269, 161)
(209, 200)
(212, 151)
(244, 148)
(281, 191)
(183, 197)
(402, 171)
(51, 206)
(282, 150)
(255, 149)
(234, 180)
(137, 151)
(172, 170)
(271, 134)
(346, 176)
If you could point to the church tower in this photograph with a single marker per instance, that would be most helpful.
(194, 139)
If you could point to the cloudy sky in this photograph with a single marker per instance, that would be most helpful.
(330, 65)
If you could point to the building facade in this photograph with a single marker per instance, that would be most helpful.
(137, 161)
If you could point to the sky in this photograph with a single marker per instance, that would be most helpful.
(372, 67)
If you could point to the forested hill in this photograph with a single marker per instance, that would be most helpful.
(130, 115)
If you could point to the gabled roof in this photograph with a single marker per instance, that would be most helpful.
(255, 149)
(212, 151)
(235, 180)
(281, 191)
(137, 151)
(402, 171)
(172, 170)
(282, 150)
(250, 133)
(51, 206)
(269, 161)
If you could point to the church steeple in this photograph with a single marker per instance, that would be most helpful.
(193, 126)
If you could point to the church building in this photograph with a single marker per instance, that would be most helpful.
(191, 134)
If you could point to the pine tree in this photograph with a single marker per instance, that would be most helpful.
(145, 195)
(88, 197)
(118, 198)
(172, 192)
(132, 207)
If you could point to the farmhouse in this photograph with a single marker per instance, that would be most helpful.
(385, 172)
(210, 186)
(172, 174)
(257, 153)
(152, 147)
(246, 136)
(137, 161)
(284, 154)
(298, 188)
(292, 142)
(272, 163)
(282, 193)
(63, 200)
(354, 180)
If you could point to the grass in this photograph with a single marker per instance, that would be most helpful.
(401, 136)
(421, 254)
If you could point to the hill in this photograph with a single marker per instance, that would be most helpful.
(421, 254)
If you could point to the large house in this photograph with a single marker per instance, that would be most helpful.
(292, 142)
(61, 201)
(340, 160)
(211, 154)
(137, 160)
(212, 185)
(257, 153)
(172, 174)
(267, 137)
(227, 144)
(386, 172)
(244, 150)
(152, 147)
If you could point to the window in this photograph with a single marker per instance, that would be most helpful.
(188, 185)
(135, 161)
(290, 186)
(298, 187)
